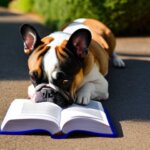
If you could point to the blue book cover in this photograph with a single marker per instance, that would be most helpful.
(26, 117)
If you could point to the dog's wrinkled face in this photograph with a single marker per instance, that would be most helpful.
(51, 93)
(56, 59)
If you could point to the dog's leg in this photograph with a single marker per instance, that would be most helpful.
(117, 62)
(97, 89)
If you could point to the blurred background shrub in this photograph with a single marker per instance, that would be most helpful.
(124, 17)
(4, 3)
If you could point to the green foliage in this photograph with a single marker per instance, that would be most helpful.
(23, 5)
(4, 3)
(62, 11)
(122, 16)
(126, 16)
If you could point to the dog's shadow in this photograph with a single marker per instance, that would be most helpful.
(129, 93)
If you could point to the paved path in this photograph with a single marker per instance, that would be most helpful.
(129, 102)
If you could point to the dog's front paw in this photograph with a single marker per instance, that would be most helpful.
(83, 97)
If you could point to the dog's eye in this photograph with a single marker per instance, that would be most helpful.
(65, 82)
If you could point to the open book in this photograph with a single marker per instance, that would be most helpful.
(24, 115)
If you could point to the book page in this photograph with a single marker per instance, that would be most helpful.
(93, 112)
(24, 114)
(43, 110)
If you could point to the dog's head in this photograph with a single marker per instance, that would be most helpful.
(57, 58)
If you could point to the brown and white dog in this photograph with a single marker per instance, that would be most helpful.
(75, 59)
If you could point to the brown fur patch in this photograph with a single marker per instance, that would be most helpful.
(101, 57)
(101, 34)
(35, 60)
(88, 64)
(60, 51)
(76, 82)
(102, 45)
(47, 39)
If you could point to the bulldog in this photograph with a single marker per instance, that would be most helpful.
(75, 59)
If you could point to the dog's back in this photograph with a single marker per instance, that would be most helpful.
(102, 44)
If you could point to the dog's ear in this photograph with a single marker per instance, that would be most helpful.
(30, 37)
(79, 42)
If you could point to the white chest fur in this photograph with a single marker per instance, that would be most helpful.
(94, 86)
(93, 76)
